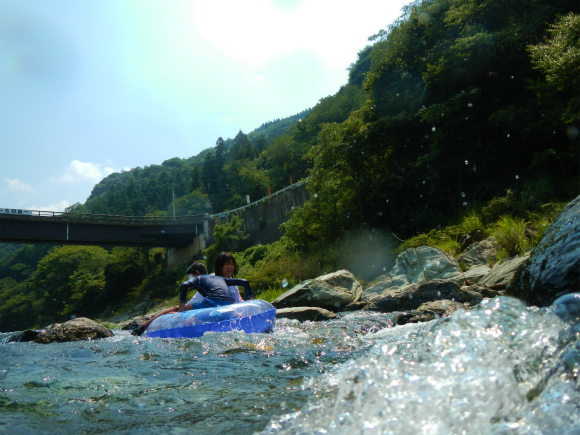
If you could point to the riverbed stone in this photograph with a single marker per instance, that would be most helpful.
(553, 269)
(80, 328)
(333, 291)
(305, 313)
(502, 275)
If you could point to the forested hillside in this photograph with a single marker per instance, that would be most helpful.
(455, 104)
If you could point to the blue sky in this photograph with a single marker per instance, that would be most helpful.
(90, 87)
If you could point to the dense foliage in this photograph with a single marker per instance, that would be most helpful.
(466, 98)
(462, 113)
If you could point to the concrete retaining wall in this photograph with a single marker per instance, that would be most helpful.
(261, 220)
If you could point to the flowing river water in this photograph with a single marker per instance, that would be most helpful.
(500, 368)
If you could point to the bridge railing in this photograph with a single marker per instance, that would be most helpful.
(102, 218)
(266, 198)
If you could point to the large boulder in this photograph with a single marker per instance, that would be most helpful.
(333, 292)
(553, 269)
(414, 266)
(80, 328)
(412, 296)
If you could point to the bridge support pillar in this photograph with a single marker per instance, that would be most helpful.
(185, 255)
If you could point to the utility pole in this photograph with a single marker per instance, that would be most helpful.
(173, 195)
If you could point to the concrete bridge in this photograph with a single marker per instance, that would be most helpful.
(185, 236)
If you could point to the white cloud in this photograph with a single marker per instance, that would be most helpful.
(59, 206)
(85, 171)
(16, 184)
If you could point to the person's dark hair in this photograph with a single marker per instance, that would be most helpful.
(221, 260)
(196, 266)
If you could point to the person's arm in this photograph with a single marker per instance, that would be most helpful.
(183, 292)
(243, 282)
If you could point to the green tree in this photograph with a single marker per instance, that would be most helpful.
(228, 237)
(67, 281)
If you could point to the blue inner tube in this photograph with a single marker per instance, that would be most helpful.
(250, 316)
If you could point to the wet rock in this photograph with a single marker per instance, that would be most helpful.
(333, 292)
(411, 296)
(305, 313)
(80, 328)
(554, 266)
(502, 275)
(480, 254)
(567, 307)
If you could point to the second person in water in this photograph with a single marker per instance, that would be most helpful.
(224, 266)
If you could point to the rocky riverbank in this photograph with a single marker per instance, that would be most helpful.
(423, 284)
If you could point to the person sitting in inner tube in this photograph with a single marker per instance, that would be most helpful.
(214, 290)
(225, 265)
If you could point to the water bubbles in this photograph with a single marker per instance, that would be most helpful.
(517, 177)
(467, 162)
(508, 135)
(423, 181)
(464, 203)
(284, 283)
(463, 194)
(470, 105)
(433, 128)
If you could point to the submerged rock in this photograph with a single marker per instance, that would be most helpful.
(333, 292)
(553, 269)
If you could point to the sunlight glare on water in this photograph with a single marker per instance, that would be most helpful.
(476, 372)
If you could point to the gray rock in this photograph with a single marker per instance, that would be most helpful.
(503, 274)
(473, 275)
(422, 264)
(411, 296)
(305, 313)
(479, 254)
(80, 328)
(554, 266)
(333, 292)
(414, 266)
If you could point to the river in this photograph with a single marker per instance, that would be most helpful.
(499, 369)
